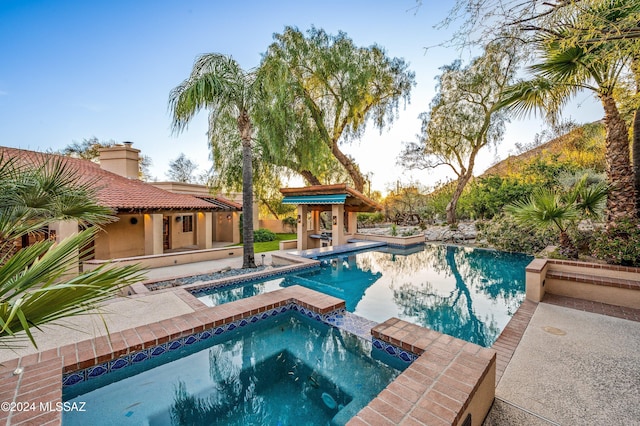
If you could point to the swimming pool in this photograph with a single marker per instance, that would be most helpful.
(282, 370)
(464, 292)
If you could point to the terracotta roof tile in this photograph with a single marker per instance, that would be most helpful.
(116, 191)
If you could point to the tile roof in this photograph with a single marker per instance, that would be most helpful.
(116, 191)
(221, 202)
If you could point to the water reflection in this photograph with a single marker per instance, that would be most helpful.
(467, 293)
(345, 277)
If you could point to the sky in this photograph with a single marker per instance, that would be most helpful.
(72, 70)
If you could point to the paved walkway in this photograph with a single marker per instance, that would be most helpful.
(119, 315)
(123, 313)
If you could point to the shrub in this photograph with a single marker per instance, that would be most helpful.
(370, 219)
(262, 235)
(582, 239)
(394, 229)
(619, 245)
(502, 232)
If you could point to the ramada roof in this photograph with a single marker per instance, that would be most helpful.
(354, 201)
(117, 191)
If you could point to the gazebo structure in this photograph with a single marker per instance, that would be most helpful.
(342, 202)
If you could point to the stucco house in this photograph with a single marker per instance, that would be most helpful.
(150, 220)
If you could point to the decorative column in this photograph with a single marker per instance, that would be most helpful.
(303, 241)
(235, 227)
(352, 221)
(337, 228)
(65, 229)
(204, 230)
(153, 234)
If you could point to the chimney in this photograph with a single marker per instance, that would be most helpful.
(121, 160)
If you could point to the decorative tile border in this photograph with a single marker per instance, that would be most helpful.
(80, 376)
(406, 356)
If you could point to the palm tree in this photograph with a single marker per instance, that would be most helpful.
(548, 207)
(37, 285)
(219, 84)
(561, 74)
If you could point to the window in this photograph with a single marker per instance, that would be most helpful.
(187, 223)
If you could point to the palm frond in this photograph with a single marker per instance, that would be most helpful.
(35, 291)
(216, 80)
(544, 208)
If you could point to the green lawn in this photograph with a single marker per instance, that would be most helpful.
(271, 245)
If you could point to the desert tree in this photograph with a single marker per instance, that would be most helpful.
(321, 90)
(466, 115)
(182, 169)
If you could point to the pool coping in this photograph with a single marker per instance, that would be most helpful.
(450, 382)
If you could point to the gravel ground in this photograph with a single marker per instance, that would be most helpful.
(203, 277)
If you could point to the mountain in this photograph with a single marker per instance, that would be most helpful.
(583, 146)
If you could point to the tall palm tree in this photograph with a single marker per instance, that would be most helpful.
(219, 84)
(36, 283)
(564, 71)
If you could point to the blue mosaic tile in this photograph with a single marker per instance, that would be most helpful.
(391, 350)
(158, 350)
(378, 344)
(405, 356)
(118, 363)
(139, 357)
(73, 378)
(97, 371)
(174, 345)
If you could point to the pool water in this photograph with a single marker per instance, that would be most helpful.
(464, 292)
(281, 371)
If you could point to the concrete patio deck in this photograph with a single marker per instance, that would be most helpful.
(572, 367)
